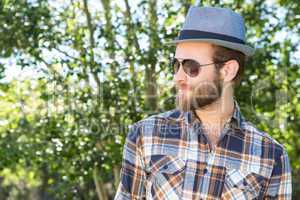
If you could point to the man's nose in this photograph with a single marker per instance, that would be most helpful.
(180, 75)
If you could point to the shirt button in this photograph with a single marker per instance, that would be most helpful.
(205, 171)
(245, 183)
(165, 167)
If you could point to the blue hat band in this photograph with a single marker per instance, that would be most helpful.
(195, 34)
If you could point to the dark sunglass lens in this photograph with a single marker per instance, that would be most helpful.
(191, 67)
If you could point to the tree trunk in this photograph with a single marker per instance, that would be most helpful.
(101, 192)
(150, 76)
(116, 171)
(92, 45)
(131, 37)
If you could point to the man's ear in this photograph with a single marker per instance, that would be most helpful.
(230, 70)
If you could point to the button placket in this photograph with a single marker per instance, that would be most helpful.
(192, 154)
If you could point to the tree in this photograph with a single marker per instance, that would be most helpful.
(103, 65)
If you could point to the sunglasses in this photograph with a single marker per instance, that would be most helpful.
(190, 67)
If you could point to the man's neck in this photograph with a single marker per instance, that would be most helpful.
(215, 115)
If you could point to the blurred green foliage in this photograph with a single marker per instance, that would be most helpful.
(103, 65)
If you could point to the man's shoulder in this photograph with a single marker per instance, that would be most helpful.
(157, 122)
(162, 117)
(262, 138)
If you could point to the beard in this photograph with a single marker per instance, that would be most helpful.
(205, 93)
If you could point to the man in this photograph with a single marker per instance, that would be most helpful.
(205, 149)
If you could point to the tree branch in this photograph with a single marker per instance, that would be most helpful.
(130, 27)
(92, 45)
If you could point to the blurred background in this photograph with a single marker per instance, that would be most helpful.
(74, 74)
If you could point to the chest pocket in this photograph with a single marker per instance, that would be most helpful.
(166, 177)
(242, 185)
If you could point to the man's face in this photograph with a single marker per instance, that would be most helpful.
(203, 89)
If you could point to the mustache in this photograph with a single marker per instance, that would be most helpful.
(182, 86)
(200, 85)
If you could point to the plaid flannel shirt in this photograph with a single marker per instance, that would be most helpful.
(168, 156)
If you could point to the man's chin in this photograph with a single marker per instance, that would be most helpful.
(186, 105)
(202, 103)
(183, 105)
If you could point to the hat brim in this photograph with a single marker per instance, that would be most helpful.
(244, 48)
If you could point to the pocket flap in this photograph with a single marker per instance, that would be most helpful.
(236, 178)
(166, 164)
(244, 180)
(173, 166)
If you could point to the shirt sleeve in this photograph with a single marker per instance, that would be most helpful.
(280, 184)
(133, 176)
